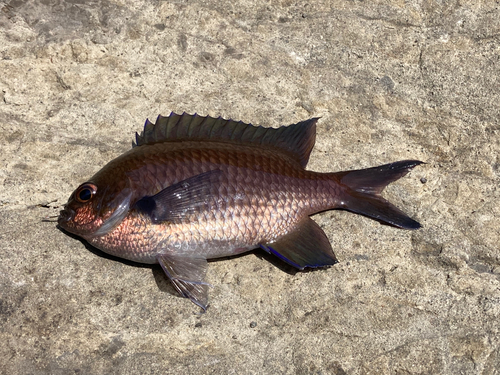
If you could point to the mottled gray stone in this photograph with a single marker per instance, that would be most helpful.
(390, 79)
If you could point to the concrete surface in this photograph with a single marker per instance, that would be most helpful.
(390, 79)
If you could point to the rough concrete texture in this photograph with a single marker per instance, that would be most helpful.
(390, 79)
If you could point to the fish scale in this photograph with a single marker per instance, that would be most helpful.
(196, 188)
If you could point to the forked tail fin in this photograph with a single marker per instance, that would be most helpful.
(362, 188)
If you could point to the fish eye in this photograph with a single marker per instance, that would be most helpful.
(85, 193)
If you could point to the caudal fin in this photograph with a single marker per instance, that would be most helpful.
(363, 188)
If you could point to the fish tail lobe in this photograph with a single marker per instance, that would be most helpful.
(361, 192)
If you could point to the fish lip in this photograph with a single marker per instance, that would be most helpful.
(65, 215)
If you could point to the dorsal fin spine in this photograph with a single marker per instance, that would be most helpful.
(295, 140)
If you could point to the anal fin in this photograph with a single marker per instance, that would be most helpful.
(187, 275)
(305, 246)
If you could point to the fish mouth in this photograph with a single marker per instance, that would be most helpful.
(65, 216)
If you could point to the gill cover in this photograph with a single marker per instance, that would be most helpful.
(122, 204)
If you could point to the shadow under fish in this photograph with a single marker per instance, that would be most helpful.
(194, 188)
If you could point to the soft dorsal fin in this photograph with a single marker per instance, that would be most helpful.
(297, 140)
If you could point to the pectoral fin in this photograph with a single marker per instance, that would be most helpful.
(305, 246)
(187, 275)
(180, 200)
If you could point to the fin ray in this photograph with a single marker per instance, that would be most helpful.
(183, 199)
(305, 246)
(363, 188)
(297, 140)
(187, 275)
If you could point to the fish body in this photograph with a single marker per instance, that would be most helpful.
(195, 188)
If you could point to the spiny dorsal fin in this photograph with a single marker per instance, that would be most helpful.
(296, 140)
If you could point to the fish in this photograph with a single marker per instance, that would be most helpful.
(195, 188)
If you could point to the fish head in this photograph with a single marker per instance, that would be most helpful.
(80, 215)
(94, 209)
